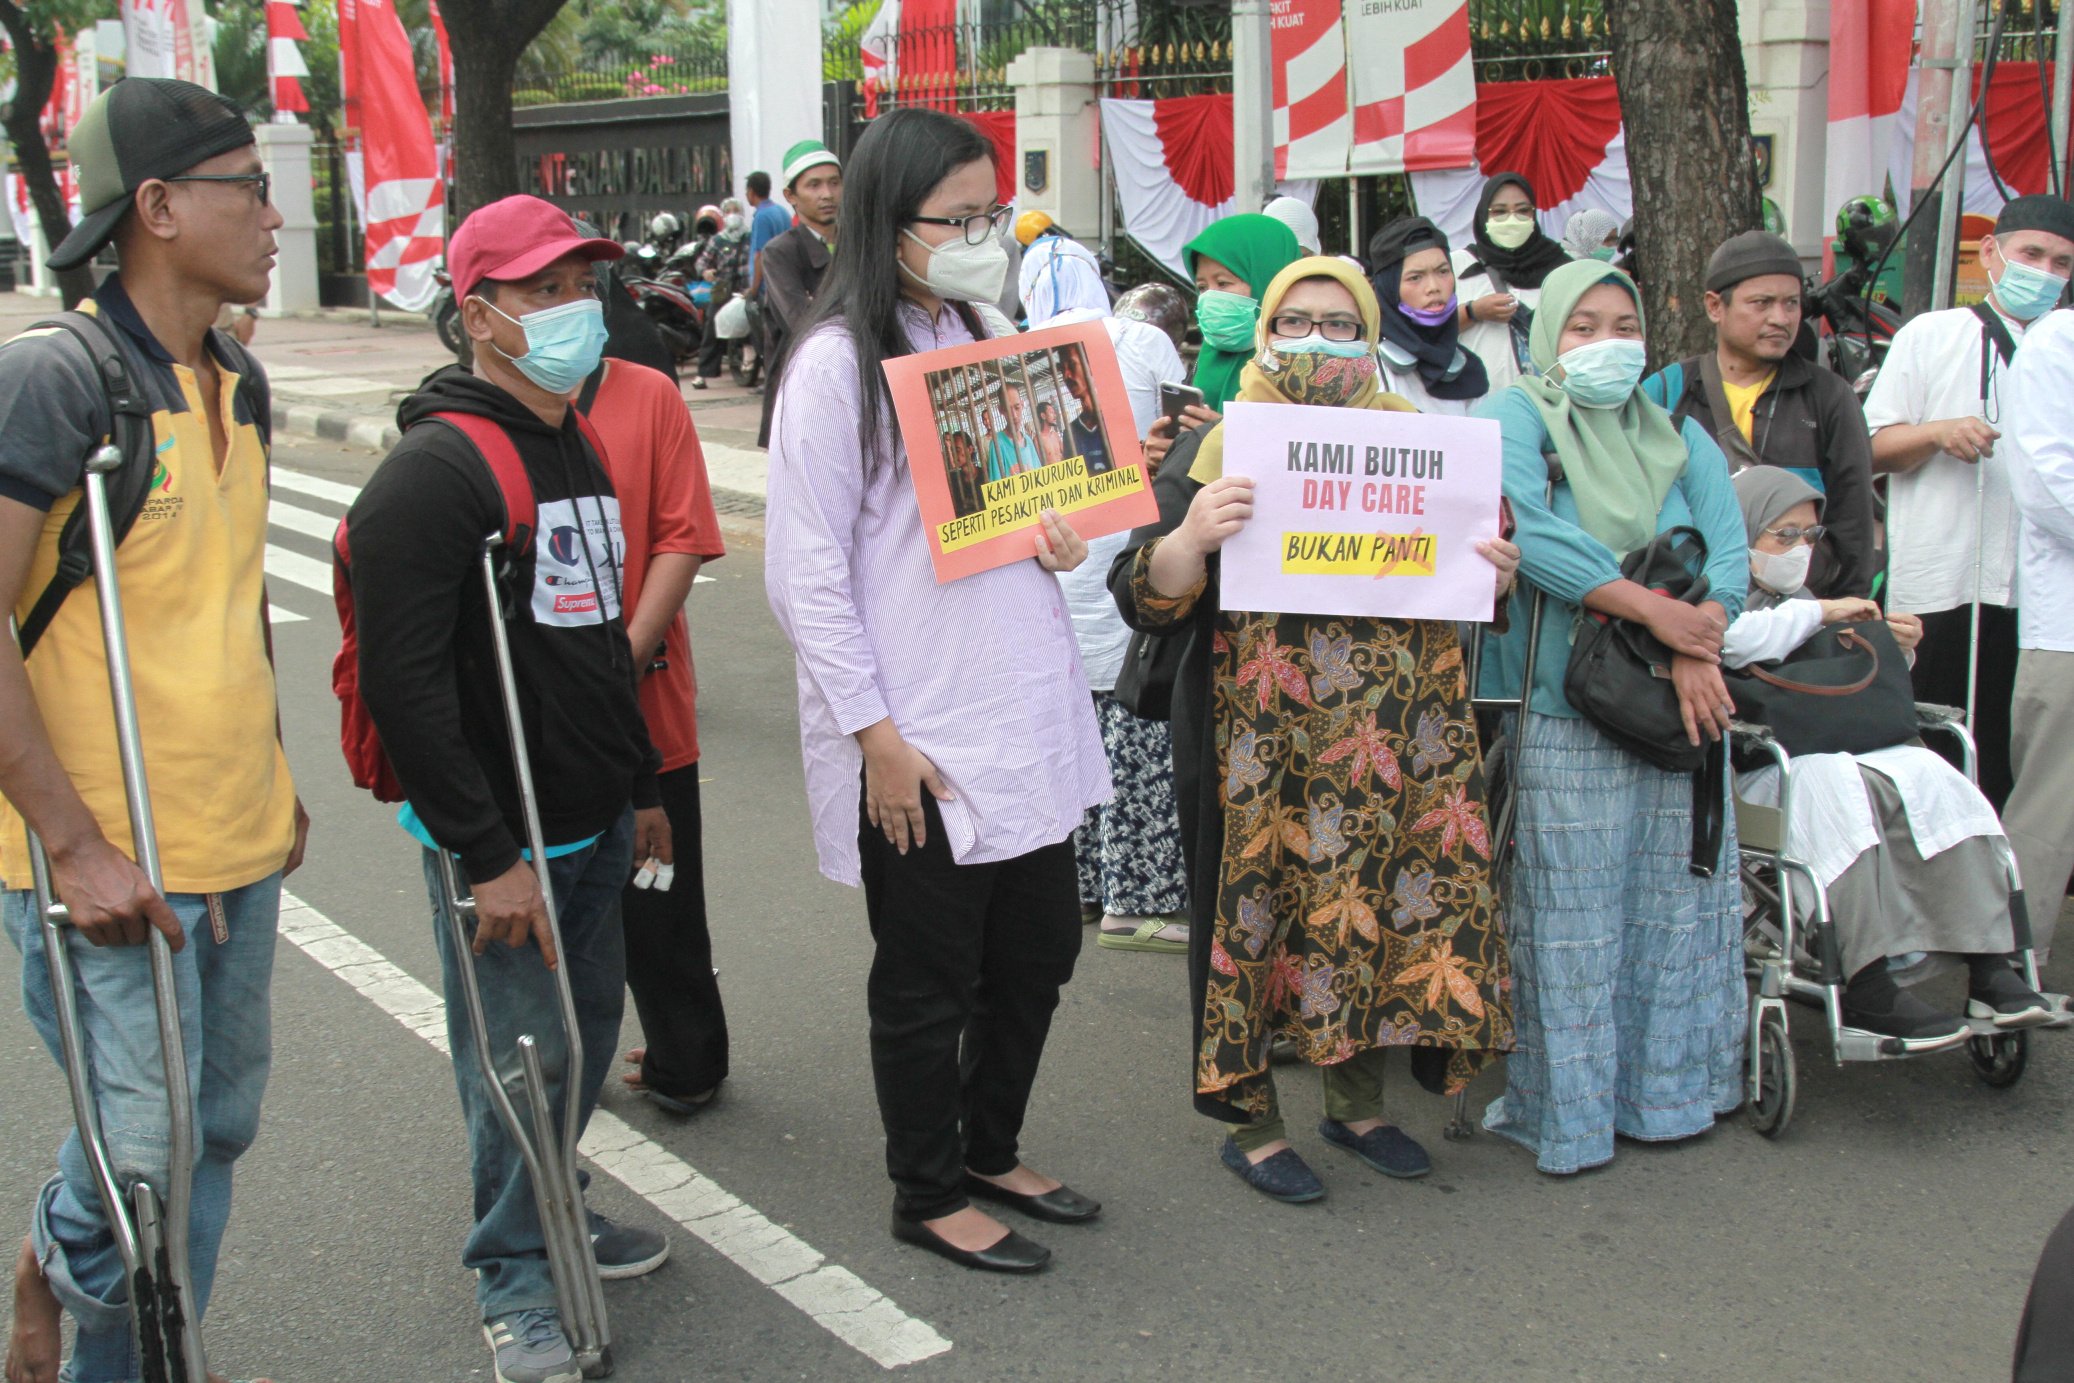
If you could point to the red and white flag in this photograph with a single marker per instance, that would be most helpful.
(1174, 170)
(405, 219)
(1308, 49)
(446, 70)
(1869, 45)
(1414, 88)
(284, 64)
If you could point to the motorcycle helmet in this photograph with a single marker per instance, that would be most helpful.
(1159, 304)
(1866, 225)
(707, 222)
(665, 226)
(1030, 225)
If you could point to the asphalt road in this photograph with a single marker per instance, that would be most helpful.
(1890, 1235)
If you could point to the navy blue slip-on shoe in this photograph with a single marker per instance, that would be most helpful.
(1388, 1149)
(1285, 1176)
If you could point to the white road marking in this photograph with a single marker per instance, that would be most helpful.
(307, 522)
(276, 615)
(832, 1296)
(307, 572)
(316, 486)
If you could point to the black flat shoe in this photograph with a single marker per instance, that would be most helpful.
(1065, 1206)
(1011, 1253)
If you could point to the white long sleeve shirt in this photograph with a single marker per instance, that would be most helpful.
(2040, 420)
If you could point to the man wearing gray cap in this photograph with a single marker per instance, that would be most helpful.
(1936, 411)
(1767, 405)
(167, 174)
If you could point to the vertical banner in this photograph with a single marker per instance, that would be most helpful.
(1869, 47)
(284, 62)
(1311, 125)
(406, 198)
(1414, 91)
(147, 38)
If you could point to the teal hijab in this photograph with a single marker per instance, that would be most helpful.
(1619, 462)
(1256, 248)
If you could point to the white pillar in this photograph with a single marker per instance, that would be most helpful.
(1786, 56)
(285, 149)
(773, 83)
(43, 281)
(1252, 103)
(1056, 117)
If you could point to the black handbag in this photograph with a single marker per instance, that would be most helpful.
(1151, 666)
(1619, 676)
(1845, 691)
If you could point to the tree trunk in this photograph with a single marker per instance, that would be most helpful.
(1686, 107)
(487, 37)
(36, 67)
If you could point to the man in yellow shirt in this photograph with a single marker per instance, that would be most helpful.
(168, 174)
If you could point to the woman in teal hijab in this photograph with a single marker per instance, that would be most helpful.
(1233, 261)
(1628, 976)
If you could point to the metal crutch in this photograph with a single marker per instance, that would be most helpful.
(548, 1150)
(150, 1231)
(1460, 1125)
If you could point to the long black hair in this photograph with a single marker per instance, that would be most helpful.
(895, 166)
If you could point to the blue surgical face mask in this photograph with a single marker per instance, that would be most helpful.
(1603, 374)
(1604, 254)
(1318, 345)
(2026, 293)
(563, 344)
(1228, 320)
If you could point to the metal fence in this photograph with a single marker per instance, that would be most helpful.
(664, 68)
(1527, 40)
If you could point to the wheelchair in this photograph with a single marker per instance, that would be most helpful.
(1792, 951)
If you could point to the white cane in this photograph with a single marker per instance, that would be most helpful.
(1980, 528)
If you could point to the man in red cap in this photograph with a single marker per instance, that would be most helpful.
(523, 276)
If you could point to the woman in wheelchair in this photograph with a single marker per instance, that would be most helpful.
(1908, 853)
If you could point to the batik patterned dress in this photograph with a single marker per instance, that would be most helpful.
(1355, 907)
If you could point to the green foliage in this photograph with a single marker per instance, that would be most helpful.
(840, 39)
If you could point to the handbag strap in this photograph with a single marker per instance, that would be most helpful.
(1740, 453)
(1849, 638)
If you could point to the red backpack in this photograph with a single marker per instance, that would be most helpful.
(356, 732)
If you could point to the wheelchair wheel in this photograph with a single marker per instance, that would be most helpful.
(1999, 1061)
(1772, 1094)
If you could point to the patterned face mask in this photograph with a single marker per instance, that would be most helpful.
(1328, 380)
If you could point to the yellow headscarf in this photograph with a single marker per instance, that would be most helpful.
(1258, 384)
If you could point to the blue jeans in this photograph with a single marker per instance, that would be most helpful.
(506, 1248)
(223, 988)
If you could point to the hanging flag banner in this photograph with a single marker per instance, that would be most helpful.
(1361, 512)
(1414, 90)
(1869, 47)
(1308, 47)
(284, 63)
(1563, 134)
(405, 219)
(1172, 160)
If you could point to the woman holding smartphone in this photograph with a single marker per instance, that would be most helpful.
(950, 745)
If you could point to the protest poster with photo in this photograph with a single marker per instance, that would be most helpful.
(1362, 512)
(999, 431)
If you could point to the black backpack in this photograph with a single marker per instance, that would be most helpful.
(129, 485)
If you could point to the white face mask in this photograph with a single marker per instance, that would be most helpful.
(1782, 573)
(962, 271)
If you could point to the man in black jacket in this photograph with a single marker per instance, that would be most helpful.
(1766, 405)
(528, 300)
(793, 263)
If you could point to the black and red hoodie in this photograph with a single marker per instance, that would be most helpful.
(427, 669)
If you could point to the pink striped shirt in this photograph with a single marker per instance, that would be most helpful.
(982, 675)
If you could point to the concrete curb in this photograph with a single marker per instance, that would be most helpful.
(335, 425)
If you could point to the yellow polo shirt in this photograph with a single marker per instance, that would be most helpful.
(191, 573)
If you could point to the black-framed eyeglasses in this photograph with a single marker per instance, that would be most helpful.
(262, 183)
(976, 227)
(1294, 326)
(1812, 533)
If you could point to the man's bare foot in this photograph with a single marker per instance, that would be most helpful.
(1022, 1181)
(971, 1229)
(33, 1348)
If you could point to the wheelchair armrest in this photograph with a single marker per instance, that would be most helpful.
(1747, 741)
(1930, 715)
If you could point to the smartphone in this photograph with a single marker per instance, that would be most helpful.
(1174, 400)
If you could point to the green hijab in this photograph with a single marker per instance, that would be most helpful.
(1256, 248)
(1619, 462)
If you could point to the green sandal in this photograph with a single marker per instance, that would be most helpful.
(1146, 937)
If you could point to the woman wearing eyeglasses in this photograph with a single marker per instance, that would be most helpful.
(950, 745)
(1331, 793)
(1910, 856)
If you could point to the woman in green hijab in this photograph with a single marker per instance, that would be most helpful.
(1628, 973)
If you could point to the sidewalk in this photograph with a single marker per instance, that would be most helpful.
(338, 378)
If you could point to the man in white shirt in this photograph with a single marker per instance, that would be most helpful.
(1936, 412)
(2040, 815)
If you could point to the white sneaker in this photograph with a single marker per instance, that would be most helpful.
(529, 1347)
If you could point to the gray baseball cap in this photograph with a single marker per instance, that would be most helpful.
(139, 129)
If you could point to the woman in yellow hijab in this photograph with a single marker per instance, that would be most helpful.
(1331, 794)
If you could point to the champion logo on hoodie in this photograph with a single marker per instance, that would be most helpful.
(579, 562)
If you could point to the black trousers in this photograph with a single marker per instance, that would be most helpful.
(670, 959)
(712, 349)
(1940, 676)
(965, 978)
(2045, 1336)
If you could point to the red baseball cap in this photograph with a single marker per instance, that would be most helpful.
(515, 238)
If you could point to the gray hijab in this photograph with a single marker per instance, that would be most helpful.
(1765, 494)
